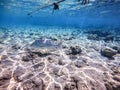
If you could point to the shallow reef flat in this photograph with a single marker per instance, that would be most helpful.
(42, 58)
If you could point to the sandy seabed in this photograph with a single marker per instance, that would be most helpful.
(83, 62)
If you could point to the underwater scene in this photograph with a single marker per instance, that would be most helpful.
(59, 44)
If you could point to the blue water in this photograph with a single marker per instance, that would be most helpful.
(71, 14)
(77, 47)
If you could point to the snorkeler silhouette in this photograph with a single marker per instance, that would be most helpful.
(55, 4)
(56, 7)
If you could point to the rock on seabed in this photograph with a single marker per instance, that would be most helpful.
(108, 52)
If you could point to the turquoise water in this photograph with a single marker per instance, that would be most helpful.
(72, 17)
(75, 48)
(71, 13)
(103, 16)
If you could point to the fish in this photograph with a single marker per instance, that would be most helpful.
(46, 43)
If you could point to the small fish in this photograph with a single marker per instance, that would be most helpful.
(46, 43)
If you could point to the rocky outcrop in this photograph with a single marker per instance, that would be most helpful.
(74, 50)
(108, 52)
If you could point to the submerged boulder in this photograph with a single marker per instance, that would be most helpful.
(108, 52)
(74, 50)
